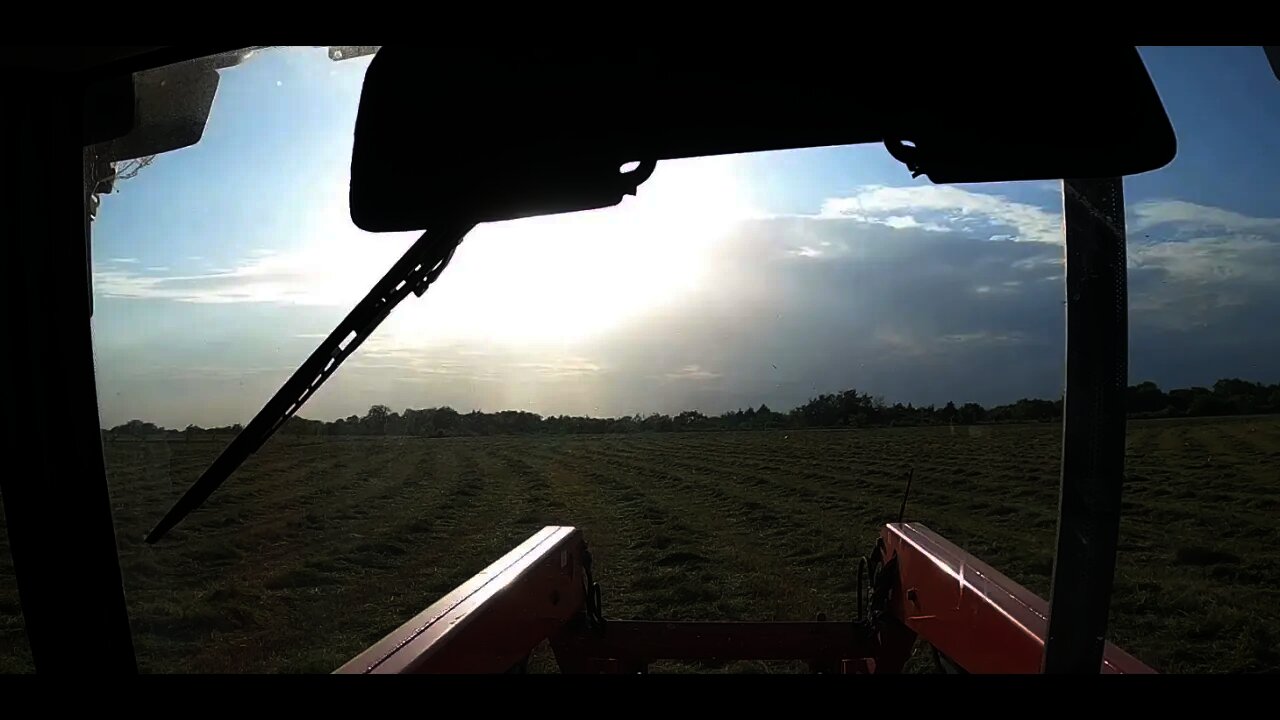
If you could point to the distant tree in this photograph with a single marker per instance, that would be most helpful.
(1181, 399)
(846, 408)
(446, 419)
(137, 428)
(375, 421)
(1146, 397)
(1209, 404)
(657, 423)
(766, 418)
(971, 413)
(689, 420)
(949, 413)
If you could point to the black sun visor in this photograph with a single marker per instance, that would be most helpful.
(505, 132)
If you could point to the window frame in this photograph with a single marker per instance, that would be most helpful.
(58, 509)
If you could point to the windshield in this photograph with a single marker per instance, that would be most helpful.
(724, 381)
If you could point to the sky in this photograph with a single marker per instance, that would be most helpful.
(726, 282)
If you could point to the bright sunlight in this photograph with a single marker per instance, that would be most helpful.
(564, 278)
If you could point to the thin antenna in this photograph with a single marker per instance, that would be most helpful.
(902, 511)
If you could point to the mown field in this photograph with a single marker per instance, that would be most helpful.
(317, 548)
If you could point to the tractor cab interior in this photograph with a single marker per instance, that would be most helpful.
(443, 144)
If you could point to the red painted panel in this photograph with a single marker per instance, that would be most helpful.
(973, 614)
(493, 620)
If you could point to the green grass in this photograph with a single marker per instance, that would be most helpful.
(315, 549)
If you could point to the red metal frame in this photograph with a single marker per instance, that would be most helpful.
(493, 621)
(926, 587)
(977, 617)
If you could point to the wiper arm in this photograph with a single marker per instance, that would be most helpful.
(413, 273)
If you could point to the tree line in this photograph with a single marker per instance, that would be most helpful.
(844, 409)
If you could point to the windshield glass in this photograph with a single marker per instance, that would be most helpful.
(724, 381)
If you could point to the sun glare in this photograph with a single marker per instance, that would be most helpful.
(547, 281)
(564, 278)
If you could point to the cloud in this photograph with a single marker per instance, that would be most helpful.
(947, 209)
(1197, 266)
(1191, 216)
(842, 298)
(205, 373)
(328, 273)
(567, 367)
(692, 372)
(983, 338)
(898, 311)
(410, 361)
(538, 280)
(920, 294)
(124, 260)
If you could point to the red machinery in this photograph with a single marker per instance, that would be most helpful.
(922, 586)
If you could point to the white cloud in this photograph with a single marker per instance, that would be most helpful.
(693, 372)
(902, 222)
(1192, 217)
(626, 274)
(545, 279)
(564, 367)
(1214, 249)
(864, 293)
(264, 280)
(984, 338)
(1006, 287)
(898, 290)
(204, 373)
(1201, 266)
(1216, 259)
(422, 358)
(947, 208)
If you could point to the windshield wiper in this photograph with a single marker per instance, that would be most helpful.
(413, 273)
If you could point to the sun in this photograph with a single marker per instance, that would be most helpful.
(563, 278)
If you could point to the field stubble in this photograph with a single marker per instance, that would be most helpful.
(317, 548)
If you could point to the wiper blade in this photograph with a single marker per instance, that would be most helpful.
(413, 273)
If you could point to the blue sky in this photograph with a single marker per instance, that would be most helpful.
(726, 282)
